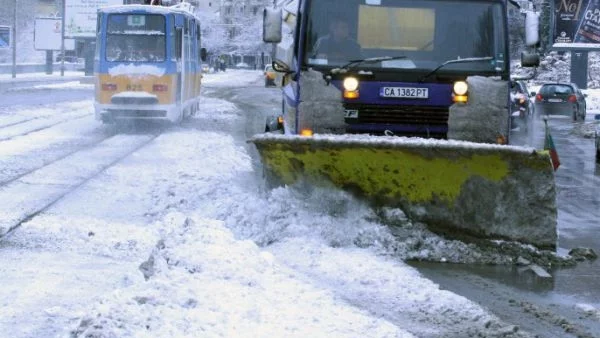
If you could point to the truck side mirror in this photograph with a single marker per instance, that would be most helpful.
(532, 29)
(281, 67)
(272, 20)
(203, 54)
(530, 59)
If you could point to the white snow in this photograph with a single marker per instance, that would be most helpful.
(136, 70)
(66, 85)
(219, 256)
(225, 79)
(135, 94)
(4, 77)
(352, 139)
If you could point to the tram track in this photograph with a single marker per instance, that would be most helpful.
(6, 181)
(36, 191)
(17, 163)
(14, 129)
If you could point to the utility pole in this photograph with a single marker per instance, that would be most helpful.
(14, 42)
(62, 39)
(274, 47)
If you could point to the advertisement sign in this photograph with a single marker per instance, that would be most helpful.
(576, 24)
(5, 37)
(47, 33)
(80, 16)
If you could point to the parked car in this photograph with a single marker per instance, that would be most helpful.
(561, 99)
(522, 109)
(70, 56)
(242, 65)
(270, 76)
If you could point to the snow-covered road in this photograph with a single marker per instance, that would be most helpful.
(168, 232)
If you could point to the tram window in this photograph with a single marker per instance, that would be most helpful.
(98, 34)
(136, 38)
(172, 39)
(198, 47)
(178, 37)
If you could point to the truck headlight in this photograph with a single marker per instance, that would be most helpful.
(350, 84)
(460, 88)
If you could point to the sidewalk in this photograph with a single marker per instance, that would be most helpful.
(24, 79)
(32, 77)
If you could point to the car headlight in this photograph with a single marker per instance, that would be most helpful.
(350, 84)
(460, 87)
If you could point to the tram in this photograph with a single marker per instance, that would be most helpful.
(148, 63)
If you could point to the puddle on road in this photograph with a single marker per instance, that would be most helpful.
(568, 286)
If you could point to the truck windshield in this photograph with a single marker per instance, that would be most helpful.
(135, 37)
(426, 32)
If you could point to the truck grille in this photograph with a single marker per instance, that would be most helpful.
(406, 115)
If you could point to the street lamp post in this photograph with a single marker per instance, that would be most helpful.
(62, 39)
(274, 46)
(14, 42)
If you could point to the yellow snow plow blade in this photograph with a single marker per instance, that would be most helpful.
(484, 190)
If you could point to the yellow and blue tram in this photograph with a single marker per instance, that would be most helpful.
(148, 63)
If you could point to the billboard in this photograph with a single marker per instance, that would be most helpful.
(47, 33)
(576, 24)
(5, 34)
(80, 16)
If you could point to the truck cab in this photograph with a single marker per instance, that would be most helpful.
(398, 67)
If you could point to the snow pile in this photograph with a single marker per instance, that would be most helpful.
(7, 77)
(202, 282)
(556, 67)
(66, 85)
(241, 78)
(136, 70)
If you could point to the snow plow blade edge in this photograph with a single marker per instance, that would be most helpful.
(483, 190)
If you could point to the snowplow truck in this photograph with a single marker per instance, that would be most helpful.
(406, 103)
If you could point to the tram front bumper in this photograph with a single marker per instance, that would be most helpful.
(113, 112)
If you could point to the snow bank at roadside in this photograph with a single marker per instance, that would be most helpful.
(231, 77)
(203, 282)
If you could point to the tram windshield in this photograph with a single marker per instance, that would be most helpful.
(136, 38)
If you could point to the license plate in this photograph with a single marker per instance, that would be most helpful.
(404, 92)
(555, 100)
(351, 114)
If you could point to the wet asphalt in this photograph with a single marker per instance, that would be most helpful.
(562, 306)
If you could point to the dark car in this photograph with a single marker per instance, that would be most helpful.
(70, 56)
(521, 107)
(561, 99)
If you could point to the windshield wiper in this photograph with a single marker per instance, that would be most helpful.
(354, 63)
(465, 60)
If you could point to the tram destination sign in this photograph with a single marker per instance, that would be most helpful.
(576, 24)
(80, 16)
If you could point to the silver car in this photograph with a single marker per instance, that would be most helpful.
(561, 99)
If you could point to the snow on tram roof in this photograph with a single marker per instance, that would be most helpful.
(144, 8)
